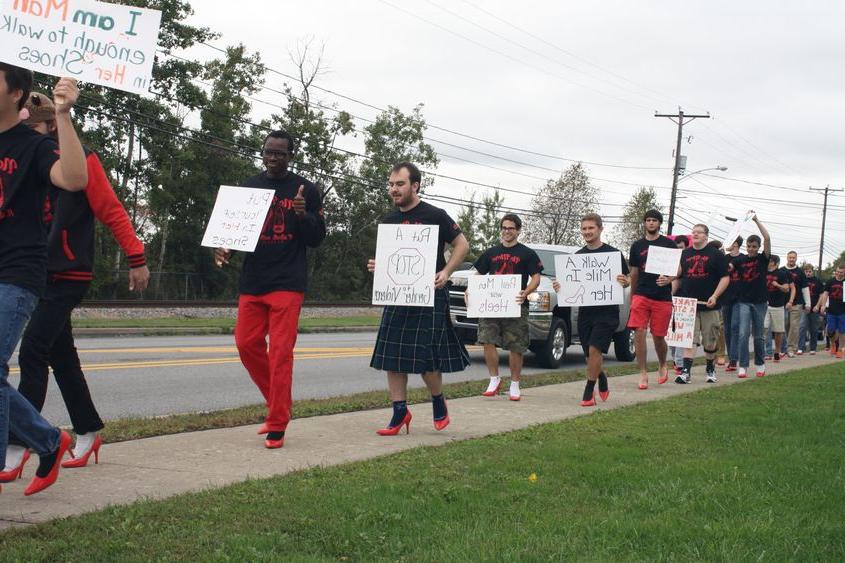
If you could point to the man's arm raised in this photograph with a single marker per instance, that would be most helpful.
(70, 172)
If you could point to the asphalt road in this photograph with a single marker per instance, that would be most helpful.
(150, 376)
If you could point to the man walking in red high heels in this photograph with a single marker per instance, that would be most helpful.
(419, 339)
(274, 279)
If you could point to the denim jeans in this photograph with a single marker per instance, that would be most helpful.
(808, 339)
(730, 318)
(16, 413)
(751, 319)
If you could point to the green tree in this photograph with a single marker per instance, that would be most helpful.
(488, 228)
(827, 273)
(558, 206)
(468, 220)
(630, 228)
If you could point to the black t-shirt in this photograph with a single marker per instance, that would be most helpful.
(799, 280)
(279, 262)
(426, 214)
(701, 272)
(731, 294)
(752, 271)
(25, 161)
(602, 310)
(503, 260)
(647, 283)
(816, 287)
(777, 297)
(835, 305)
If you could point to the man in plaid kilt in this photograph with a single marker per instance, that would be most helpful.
(420, 339)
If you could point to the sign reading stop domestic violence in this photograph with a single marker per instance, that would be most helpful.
(493, 296)
(237, 218)
(589, 280)
(406, 263)
(683, 322)
(106, 44)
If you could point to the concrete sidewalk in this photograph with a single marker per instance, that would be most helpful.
(161, 467)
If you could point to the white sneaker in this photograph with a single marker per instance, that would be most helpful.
(812, 352)
(711, 378)
(799, 352)
(791, 354)
(514, 393)
(493, 387)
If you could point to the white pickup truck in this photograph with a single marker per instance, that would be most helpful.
(552, 329)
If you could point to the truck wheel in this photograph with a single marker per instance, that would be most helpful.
(554, 351)
(623, 345)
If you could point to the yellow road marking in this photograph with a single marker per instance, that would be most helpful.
(208, 349)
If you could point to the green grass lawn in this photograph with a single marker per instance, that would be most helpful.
(222, 323)
(751, 472)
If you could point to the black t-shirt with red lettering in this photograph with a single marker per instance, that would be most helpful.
(799, 279)
(777, 297)
(816, 287)
(26, 158)
(279, 262)
(503, 260)
(701, 272)
(647, 283)
(835, 305)
(752, 272)
(426, 214)
(731, 294)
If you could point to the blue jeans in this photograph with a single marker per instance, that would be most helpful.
(751, 318)
(16, 413)
(730, 318)
(809, 332)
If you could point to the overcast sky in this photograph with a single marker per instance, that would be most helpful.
(582, 80)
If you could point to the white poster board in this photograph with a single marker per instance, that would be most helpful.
(663, 261)
(106, 44)
(588, 280)
(237, 218)
(683, 322)
(738, 226)
(494, 296)
(406, 263)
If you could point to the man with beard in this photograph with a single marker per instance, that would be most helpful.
(274, 279)
(419, 339)
(795, 309)
(703, 275)
(651, 300)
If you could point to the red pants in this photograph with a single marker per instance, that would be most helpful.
(276, 314)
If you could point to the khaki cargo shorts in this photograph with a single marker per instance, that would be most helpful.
(707, 328)
(775, 319)
(507, 334)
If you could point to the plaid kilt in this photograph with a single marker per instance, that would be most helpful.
(419, 339)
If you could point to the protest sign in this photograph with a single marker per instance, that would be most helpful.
(237, 218)
(106, 44)
(683, 322)
(494, 296)
(663, 261)
(406, 263)
(738, 226)
(588, 280)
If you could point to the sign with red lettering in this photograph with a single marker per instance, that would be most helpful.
(683, 322)
(106, 44)
(237, 218)
(406, 263)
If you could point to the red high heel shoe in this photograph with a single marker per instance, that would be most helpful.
(82, 460)
(591, 402)
(494, 392)
(17, 472)
(664, 376)
(394, 430)
(442, 423)
(38, 484)
(271, 444)
(642, 386)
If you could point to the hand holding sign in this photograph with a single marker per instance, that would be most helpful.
(299, 201)
(65, 94)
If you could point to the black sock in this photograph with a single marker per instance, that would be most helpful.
(688, 365)
(603, 382)
(589, 390)
(46, 463)
(710, 366)
(438, 405)
(276, 436)
(400, 409)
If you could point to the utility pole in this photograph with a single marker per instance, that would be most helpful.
(681, 119)
(826, 191)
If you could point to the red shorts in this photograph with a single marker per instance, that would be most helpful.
(655, 315)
